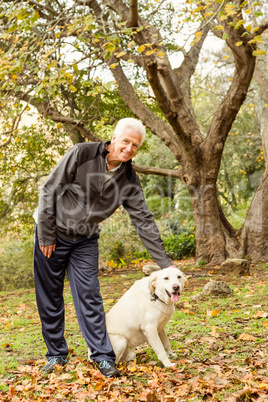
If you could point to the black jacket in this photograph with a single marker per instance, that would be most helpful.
(73, 202)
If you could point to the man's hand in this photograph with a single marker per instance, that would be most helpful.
(47, 250)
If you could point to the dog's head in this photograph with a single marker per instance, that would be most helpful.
(167, 284)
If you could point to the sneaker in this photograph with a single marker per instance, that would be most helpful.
(108, 369)
(49, 367)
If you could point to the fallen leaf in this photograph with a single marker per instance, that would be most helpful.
(213, 313)
(214, 332)
(259, 314)
(247, 337)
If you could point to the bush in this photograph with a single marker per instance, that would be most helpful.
(159, 207)
(178, 246)
(16, 264)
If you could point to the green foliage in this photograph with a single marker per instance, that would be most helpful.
(158, 155)
(119, 241)
(159, 206)
(178, 246)
(16, 258)
(24, 163)
(118, 253)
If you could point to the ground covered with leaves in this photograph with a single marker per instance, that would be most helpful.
(221, 346)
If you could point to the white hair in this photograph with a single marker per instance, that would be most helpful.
(132, 123)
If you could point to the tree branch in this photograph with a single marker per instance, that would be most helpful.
(261, 29)
(226, 112)
(73, 126)
(142, 112)
(93, 4)
(158, 171)
(133, 14)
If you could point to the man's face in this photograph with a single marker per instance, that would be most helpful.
(127, 145)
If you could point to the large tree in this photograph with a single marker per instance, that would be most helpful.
(52, 53)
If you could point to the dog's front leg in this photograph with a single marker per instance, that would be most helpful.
(154, 340)
(166, 343)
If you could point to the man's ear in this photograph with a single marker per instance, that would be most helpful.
(152, 282)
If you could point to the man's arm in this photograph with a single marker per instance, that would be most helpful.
(146, 227)
(60, 177)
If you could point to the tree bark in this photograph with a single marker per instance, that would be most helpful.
(255, 229)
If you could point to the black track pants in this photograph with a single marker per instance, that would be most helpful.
(80, 259)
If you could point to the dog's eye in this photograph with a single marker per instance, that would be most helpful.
(179, 277)
(166, 278)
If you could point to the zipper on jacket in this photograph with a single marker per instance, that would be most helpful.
(114, 178)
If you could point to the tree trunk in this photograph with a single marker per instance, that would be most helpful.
(255, 229)
(215, 238)
(254, 234)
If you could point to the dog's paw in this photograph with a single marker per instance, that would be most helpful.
(130, 356)
(170, 364)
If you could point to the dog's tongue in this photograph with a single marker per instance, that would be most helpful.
(175, 297)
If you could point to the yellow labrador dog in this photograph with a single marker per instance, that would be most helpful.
(141, 315)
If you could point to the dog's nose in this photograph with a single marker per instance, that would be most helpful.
(176, 288)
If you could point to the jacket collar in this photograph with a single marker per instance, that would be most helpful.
(103, 148)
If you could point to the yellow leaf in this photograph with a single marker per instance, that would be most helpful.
(219, 27)
(114, 65)
(265, 323)
(121, 54)
(248, 11)
(197, 34)
(110, 47)
(141, 48)
(213, 313)
(72, 88)
(258, 52)
(238, 43)
(149, 52)
(247, 337)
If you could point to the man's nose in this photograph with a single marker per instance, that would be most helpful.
(129, 147)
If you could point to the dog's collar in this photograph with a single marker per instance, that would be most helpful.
(154, 297)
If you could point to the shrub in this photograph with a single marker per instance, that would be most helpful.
(16, 264)
(159, 207)
(178, 246)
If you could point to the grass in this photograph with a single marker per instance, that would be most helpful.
(209, 349)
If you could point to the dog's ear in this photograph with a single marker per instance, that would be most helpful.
(152, 282)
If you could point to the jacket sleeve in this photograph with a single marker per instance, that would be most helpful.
(145, 225)
(58, 180)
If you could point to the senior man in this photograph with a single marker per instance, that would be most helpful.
(87, 185)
